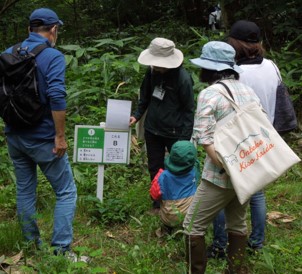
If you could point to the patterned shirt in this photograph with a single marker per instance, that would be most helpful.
(211, 108)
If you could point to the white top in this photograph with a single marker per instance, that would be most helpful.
(263, 79)
(212, 17)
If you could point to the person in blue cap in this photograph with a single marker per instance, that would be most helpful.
(44, 145)
(176, 185)
(215, 191)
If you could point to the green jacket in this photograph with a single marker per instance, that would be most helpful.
(171, 116)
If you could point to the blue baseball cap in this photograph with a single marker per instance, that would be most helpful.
(44, 17)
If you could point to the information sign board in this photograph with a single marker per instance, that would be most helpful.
(94, 144)
(89, 144)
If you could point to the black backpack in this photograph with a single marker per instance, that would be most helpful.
(20, 105)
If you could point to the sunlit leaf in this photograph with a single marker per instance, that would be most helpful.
(70, 47)
(80, 52)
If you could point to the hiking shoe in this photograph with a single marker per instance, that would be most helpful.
(163, 231)
(73, 257)
(160, 233)
(153, 212)
(253, 251)
(216, 253)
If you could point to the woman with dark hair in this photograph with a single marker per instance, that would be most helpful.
(263, 76)
(258, 72)
(215, 191)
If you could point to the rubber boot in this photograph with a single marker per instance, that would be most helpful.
(196, 255)
(236, 254)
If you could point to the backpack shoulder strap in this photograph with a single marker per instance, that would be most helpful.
(16, 47)
(35, 51)
(38, 49)
(278, 72)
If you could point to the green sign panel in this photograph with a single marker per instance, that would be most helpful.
(89, 144)
(94, 144)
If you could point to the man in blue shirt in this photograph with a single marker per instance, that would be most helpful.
(44, 145)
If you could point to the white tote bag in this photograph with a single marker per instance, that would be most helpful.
(251, 151)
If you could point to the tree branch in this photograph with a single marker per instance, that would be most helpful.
(7, 4)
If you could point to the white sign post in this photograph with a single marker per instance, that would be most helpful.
(101, 173)
(100, 183)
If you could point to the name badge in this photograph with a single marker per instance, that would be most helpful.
(159, 93)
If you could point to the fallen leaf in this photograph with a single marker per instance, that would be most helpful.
(2, 258)
(275, 217)
(109, 234)
(13, 260)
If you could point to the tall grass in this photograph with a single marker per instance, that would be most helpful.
(119, 234)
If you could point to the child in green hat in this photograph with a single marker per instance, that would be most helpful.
(175, 186)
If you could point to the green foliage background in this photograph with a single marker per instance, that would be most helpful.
(101, 41)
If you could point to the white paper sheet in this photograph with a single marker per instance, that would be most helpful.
(118, 114)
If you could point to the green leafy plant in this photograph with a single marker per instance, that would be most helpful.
(118, 234)
(10, 236)
(289, 61)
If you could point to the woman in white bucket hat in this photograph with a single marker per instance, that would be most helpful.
(161, 53)
(215, 191)
(167, 93)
